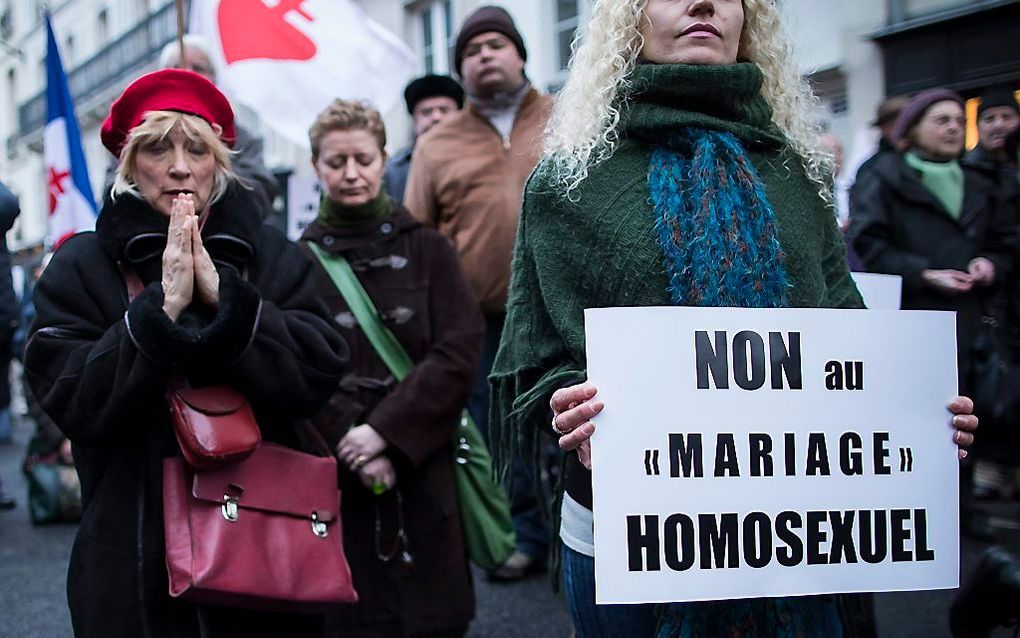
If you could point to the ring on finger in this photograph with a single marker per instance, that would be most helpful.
(359, 462)
(557, 430)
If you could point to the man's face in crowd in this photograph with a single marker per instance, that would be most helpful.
(431, 111)
(995, 125)
(491, 65)
(195, 60)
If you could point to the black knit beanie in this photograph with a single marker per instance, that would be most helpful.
(997, 96)
(484, 20)
(433, 86)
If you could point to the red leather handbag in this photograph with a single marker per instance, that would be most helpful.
(263, 533)
(214, 425)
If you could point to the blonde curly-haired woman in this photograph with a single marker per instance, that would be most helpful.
(681, 168)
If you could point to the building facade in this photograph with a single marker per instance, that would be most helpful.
(855, 52)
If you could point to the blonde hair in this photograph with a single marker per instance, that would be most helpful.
(346, 115)
(156, 126)
(583, 127)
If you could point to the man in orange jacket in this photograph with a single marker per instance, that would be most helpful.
(467, 178)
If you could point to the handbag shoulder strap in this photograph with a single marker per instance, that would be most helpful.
(131, 280)
(357, 299)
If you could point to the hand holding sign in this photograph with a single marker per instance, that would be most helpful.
(573, 409)
(965, 423)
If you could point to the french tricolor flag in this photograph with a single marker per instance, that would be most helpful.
(72, 206)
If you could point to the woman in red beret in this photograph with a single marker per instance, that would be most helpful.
(226, 301)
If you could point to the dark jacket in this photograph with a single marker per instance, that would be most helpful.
(899, 227)
(1003, 179)
(397, 170)
(866, 171)
(412, 275)
(248, 164)
(100, 366)
(1000, 177)
(10, 310)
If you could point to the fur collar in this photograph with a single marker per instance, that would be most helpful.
(134, 233)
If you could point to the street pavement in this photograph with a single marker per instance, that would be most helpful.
(33, 562)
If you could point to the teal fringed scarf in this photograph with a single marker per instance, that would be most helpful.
(714, 223)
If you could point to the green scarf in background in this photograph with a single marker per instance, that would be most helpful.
(943, 179)
(336, 215)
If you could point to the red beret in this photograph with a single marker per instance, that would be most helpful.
(167, 90)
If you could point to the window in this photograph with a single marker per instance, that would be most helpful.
(437, 36)
(67, 54)
(902, 10)
(103, 28)
(568, 17)
(6, 22)
(12, 92)
(428, 40)
(566, 26)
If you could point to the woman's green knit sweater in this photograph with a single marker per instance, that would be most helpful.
(598, 248)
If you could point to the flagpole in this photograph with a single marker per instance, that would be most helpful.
(180, 34)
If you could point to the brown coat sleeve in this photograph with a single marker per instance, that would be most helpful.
(420, 196)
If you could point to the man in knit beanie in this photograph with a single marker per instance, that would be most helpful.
(467, 179)
(998, 119)
(430, 100)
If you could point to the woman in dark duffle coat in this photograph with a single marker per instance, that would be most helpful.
(232, 303)
(400, 514)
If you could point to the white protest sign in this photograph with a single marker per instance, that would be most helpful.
(748, 453)
(880, 292)
(303, 193)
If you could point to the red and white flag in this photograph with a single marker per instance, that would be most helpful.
(71, 204)
(288, 59)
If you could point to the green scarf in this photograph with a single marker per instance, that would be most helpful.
(667, 97)
(943, 179)
(336, 215)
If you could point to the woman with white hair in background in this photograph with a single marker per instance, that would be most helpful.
(681, 168)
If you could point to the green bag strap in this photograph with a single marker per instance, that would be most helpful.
(346, 281)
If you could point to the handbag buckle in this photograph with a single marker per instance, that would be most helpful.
(229, 508)
(319, 527)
